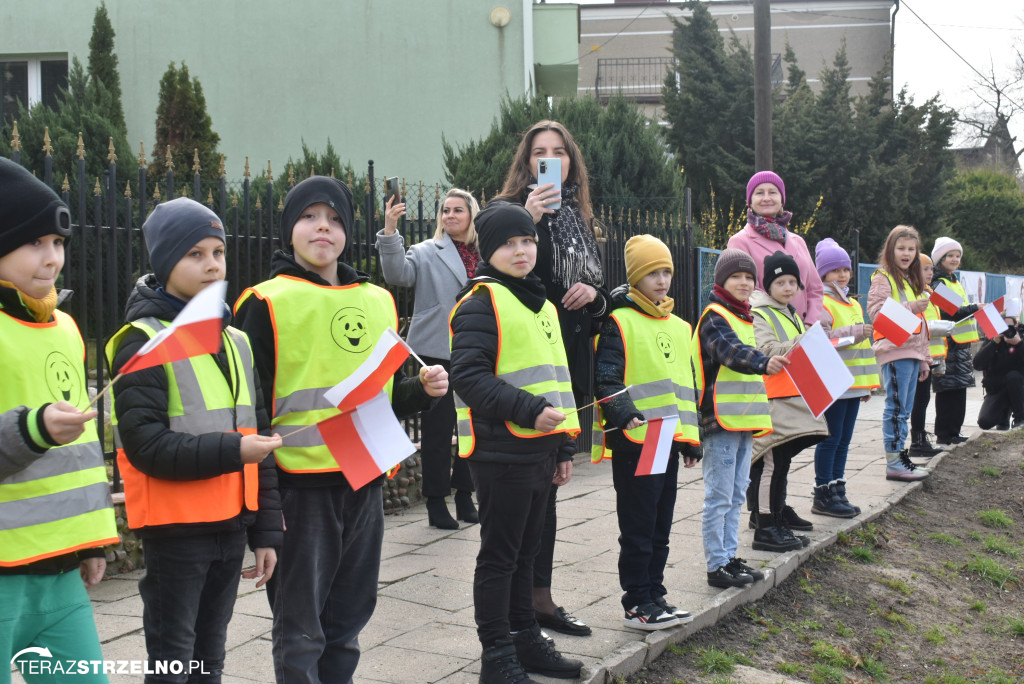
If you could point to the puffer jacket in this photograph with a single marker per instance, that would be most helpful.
(792, 422)
(959, 364)
(140, 401)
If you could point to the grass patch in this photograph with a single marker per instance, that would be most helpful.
(833, 655)
(991, 471)
(1000, 544)
(713, 661)
(843, 631)
(943, 538)
(863, 554)
(1017, 627)
(789, 668)
(873, 668)
(990, 570)
(935, 636)
(811, 625)
(896, 585)
(826, 674)
(996, 518)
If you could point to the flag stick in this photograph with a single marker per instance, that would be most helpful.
(599, 401)
(407, 347)
(307, 427)
(103, 391)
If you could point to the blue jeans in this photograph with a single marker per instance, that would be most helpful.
(899, 378)
(830, 455)
(726, 477)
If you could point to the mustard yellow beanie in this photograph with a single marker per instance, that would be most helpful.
(645, 253)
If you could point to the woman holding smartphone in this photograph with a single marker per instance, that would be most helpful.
(569, 264)
(438, 268)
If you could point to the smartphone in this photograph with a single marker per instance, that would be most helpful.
(391, 189)
(549, 170)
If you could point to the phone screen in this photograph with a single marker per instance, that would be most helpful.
(391, 190)
(549, 170)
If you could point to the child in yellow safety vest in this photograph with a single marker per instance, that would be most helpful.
(734, 410)
(516, 421)
(645, 346)
(198, 484)
(920, 446)
(55, 506)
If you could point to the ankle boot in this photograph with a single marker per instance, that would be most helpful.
(464, 508)
(770, 537)
(921, 447)
(794, 521)
(787, 531)
(438, 515)
(840, 489)
(826, 503)
(537, 654)
(500, 665)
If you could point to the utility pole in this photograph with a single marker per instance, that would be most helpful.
(762, 85)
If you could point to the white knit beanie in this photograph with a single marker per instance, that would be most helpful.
(944, 245)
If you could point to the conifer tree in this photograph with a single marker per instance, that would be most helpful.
(103, 66)
(183, 124)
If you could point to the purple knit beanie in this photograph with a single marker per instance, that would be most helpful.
(828, 256)
(766, 177)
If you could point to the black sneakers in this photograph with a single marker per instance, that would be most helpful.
(738, 566)
(537, 654)
(500, 665)
(723, 578)
(650, 617)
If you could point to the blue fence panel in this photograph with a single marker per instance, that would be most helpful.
(706, 274)
(995, 286)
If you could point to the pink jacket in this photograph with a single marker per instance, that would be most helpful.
(807, 302)
(885, 351)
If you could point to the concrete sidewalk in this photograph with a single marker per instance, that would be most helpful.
(423, 630)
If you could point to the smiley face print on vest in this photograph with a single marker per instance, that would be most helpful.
(665, 346)
(62, 379)
(547, 326)
(350, 330)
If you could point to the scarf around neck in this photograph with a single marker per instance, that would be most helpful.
(574, 254)
(529, 290)
(660, 310)
(774, 229)
(42, 308)
(737, 305)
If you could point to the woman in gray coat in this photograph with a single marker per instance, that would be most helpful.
(438, 268)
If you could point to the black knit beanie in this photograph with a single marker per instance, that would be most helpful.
(499, 221)
(314, 190)
(173, 229)
(29, 208)
(780, 264)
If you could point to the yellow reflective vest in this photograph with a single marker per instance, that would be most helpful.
(966, 329)
(659, 372)
(61, 502)
(199, 400)
(936, 347)
(533, 360)
(859, 358)
(322, 334)
(740, 399)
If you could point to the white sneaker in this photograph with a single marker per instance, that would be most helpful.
(650, 617)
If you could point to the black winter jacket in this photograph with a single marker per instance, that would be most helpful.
(253, 317)
(959, 368)
(140, 401)
(492, 400)
(609, 378)
(996, 359)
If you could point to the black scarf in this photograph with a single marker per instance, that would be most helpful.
(574, 254)
(529, 290)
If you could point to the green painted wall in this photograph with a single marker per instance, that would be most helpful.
(383, 79)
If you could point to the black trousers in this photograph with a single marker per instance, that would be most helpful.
(644, 507)
(512, 500)
(441, 472)
(922, 398)
(776, 462)
(1001, 403)
(950, 410)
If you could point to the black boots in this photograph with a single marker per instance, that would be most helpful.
(920, 446)
(773, 535)
(537, 654)
(826, 502)
(464, 508)
(438, 515)
(840, 490)
(500, 665)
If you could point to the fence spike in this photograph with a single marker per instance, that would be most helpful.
(196, 168)
(65, 186)
(97, 190)
(128, 189)
(80, 152)
(421, 190)
(280, 203)
(184, 191)
(358, 213)
(291, 175)
(403, 186)
(234, 198)
(169, 161)
(437, 192)
(142, 155)
(111, 156)
(270, 176)
(16, 138)
(209, 197)
(258, 204)
(366, 186)
(245, 174)
(312, 170)
(332, 172)
(350, 177)
(483, 197)
(47, 147)
(156, 192)
(223, 170)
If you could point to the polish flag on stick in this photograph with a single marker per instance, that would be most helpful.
(657, 446)
(817, 370)
(895, 322)
(990, 320)
(367, 441)
(369, 379)
(947, 300)
(842, 342)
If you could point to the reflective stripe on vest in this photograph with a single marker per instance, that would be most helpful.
(936, 347)
(322, 334)
(199, 401)
(740, 400)
(780, 385)
(61, 502)
(534, 363)
(965, 330)
(658, 370)
(859, 358)
(905, 296)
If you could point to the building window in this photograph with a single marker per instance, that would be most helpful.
(29, 81)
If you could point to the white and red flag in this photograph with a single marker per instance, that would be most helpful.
(990, 320)
(843, 342)
(946, 299)
(195, 331)
(657, 445)
(366, 441)
(817, 370)
(369, 379)
(895, 322)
